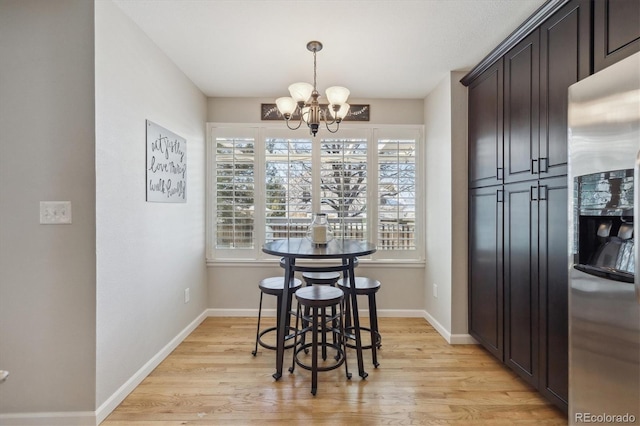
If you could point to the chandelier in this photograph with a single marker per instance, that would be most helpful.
(304, 102)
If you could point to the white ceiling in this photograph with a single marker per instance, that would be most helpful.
(376, 48)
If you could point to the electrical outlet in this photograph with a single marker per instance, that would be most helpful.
(435, 290)
(55, 212)
(187, 295)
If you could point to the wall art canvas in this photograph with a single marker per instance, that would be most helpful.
(357, 112)
(166, 165)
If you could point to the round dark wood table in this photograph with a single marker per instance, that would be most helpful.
(293, 249)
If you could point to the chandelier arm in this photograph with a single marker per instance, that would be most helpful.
(294, 128)
(325, 117)
(329, 129)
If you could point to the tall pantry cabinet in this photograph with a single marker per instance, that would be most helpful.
(518, 265)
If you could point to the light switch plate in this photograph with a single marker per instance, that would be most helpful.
(55, 212)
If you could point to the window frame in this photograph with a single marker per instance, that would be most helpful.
(260, 132)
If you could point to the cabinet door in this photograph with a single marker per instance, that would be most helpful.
(521, 279)
(521, 106)
(616, 31)
(553, 282)
(564, 59)
(485, 128)
(485, 268)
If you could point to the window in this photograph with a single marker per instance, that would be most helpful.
(396, 193)
(265, 183)
(288, 186)
(343, 185)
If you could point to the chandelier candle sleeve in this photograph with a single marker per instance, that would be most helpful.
(304, 100)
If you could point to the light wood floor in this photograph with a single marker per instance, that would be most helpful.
(212, 379)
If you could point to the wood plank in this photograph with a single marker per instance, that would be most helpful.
(212, 379)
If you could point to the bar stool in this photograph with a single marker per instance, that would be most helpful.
(323, 278)
(275, 286)
(318, 299)
(368, 287)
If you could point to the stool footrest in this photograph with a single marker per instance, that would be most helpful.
(352, 336)
(339, 358)
(275, 329)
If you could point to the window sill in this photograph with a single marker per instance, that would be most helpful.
(253, 263)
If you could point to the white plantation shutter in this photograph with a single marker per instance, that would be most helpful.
(396, 193)
(343, 186)
(288, 187)
(234, 192)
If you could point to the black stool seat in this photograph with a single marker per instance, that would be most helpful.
(274, 286)
(317, 298)
(366, 287)
(322, 278)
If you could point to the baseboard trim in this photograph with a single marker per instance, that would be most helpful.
(65, 418)
(452, 339)
(114, 400)
(395, 313)
(463, 339)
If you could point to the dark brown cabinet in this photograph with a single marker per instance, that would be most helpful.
(565, 58)
(518, 285)
(521, 106)
(518, 308)
(616, 31)
(518, 219)
(521, 279)
(485, 128)
(485, 268)
(553, 292)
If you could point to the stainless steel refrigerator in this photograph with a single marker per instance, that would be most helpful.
(604, 291)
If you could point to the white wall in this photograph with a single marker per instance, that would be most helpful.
(460, 205)
(148, 253)
(233, 289)
(438, 218)
(47, 272)
(446, 207)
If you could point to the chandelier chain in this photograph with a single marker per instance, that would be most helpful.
(314, 70)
